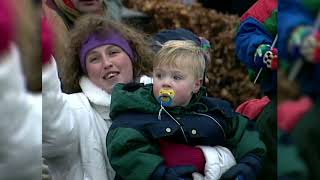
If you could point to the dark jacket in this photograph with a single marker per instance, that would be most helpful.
(132, 141)
(306, 134)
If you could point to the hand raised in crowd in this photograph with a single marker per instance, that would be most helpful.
(266, 57)
(305, 43)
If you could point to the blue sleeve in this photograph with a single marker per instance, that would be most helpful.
(290, 15)
(250, 35)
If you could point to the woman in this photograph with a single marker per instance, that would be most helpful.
(102, 53)
(70, 10)
(62, 14)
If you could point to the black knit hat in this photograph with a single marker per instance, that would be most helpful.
(173, 34)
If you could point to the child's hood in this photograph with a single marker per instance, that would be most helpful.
(139, 98)
(133, 97)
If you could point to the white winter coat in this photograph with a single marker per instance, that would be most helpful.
(74, 130)
(20, 123)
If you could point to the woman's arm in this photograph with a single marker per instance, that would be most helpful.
(59, 128)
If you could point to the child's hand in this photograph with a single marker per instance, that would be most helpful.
(305, 43)
(265, 57)
(6, 25)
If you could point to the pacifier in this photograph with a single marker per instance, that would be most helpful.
(166, 97)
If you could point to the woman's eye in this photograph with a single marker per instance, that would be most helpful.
(114, 52)
(94, 60)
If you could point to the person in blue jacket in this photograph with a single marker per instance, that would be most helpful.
(256, 48)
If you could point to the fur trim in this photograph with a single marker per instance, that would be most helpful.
(95, 94)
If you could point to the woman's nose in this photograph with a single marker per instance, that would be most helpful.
(107, 63)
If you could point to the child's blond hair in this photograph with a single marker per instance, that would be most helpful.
(182, 54)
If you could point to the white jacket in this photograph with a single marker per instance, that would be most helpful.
(74, 130)
(20, 123)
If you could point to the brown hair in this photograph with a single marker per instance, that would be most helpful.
(88, 24)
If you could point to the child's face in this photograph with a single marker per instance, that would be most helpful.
(180, 80)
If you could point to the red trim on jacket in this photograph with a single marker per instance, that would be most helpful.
(261, 10)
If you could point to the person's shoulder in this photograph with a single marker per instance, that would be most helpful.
(132, 119)
(217, 104)
(77, 100)
(214, 101)
(130, 89)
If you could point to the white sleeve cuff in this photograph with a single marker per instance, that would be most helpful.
(218, 160)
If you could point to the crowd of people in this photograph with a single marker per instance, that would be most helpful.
(94, 98)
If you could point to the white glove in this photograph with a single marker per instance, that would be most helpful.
(218, 160)
(197, 176)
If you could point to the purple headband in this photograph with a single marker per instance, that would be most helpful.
(96, 40)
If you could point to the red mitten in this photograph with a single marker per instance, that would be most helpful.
(181, 154)
(252, 108)
(274, 62)
(7, 24)
(317, 51)
(46, 41)
(290, 112)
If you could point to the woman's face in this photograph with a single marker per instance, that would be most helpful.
(88, 6)
(108, 65)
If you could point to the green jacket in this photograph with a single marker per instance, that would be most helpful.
(305, 135)
(132, 140)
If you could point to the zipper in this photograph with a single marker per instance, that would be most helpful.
(181, 128)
